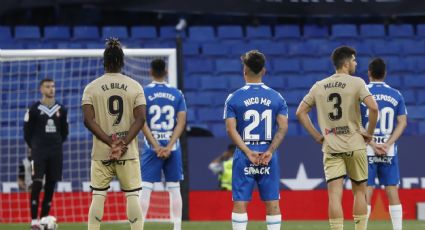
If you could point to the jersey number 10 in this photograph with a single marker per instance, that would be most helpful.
(255, 115)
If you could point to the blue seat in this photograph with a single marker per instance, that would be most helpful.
(190, 49)
(143, 32)
(57, 33)
(119, 32)
(5, 34)
(394, 81)
(27, 32)
(316, 64)
(230, 32)
(211, 114)
(220, 97)
(275, 82)
(301, 82)
(413, 47)
(420, 30)
(241, 48)
(284, 65)
(236, 82)
(170, 32)
(372, 30)
(228, 66)
(199, 66)
(302, 49)
(344, 31)
(215, 49)
(294, 97)
(386, 48)
(398, 65)
(191, 115)
(274, 49)
(409, 97)
(402, 30)
(421, 97)
(416, 112)
(86, 33)
(315, 31)
(201, 33)
(419, 64)
(414, 81)
(213, 83)
(287, 31)
(421, 128)
(198, 99)
(255, 32)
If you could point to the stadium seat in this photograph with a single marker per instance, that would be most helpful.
(191, 115)
(372, 30)
(420, 30)
(220, 97)
(274, 49)
(275, 82)
(409, 97)
(119, 32)
(421, 97)
(286, 65)
(86, 33)
(386, 48)
(315, 31)
(5, 34)
(394, 81)
(301, 82)
(258, 32)
(344, 31)
(294, 97)
(213, 83)
(143, 32)
(236, 82)
(198, 99)
(57, 33)
(287, 32)
(240, 48)
(414, 81)
(27, 32)
(211, 114)
(170, 32)
(316, 64)
(228, 66)
(416, 112)
(190, 49)
(412, 47)
(302, 49)
(215, 49)
(230, 32)
(201, 33)
(198, 66)
(402, 30)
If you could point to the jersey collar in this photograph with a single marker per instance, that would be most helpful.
(377, 82)
(261, 83)
(159, 82)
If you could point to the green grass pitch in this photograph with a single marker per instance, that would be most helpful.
(286, 225)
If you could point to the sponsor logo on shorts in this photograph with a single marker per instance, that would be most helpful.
(255, 170)
(337, 130)
(376, 159)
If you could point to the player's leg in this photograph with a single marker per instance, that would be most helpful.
(372, 173)
(151, 170)
(390, 177)
(173, 172)
(357, 170)
(101, 174)
(129, 176)
(38, 164)
(335, 171)
(242, 186)
(268, 185)
(53, 174)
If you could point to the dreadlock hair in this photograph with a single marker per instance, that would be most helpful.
(113, 56)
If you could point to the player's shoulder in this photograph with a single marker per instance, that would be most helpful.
(393, 90)
(34, 105)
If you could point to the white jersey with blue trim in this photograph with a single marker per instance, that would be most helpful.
(391, 105)
(255, 108)
(163, 103)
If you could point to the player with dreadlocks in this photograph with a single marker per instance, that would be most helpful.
(114, 108)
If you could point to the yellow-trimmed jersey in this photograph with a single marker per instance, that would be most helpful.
(337, 99)
(114, 97)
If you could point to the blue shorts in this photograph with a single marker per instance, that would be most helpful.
(245, 175)
(152, 166)
(385, 168)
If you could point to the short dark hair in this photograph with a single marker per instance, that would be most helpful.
(377, 68)
(113, 56)
(341, 54)
(254, 60)
(45, 80)
(158, 67)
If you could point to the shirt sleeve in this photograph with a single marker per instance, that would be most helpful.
(64, 125)
(182, 103)
(283, 107)
(29, 125)
(402, 110)
(87, 97)
(309, 98)
(364, 91)
(140, 96)
(229, 111)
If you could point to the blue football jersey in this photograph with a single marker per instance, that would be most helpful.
(255, 108)
(163, 102)
(391, 105)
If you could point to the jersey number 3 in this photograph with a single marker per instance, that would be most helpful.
(116, 107)
(337, 113)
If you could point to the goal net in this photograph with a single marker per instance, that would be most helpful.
(20, 73)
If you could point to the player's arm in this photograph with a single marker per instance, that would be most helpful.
(304, 119)
(373, 116)
(90, 123)
(237, 139)
(29, 126)
(178, 130)
(139, 113)
(401, 125)
(149, 137)
(282, 123)
(64, 125)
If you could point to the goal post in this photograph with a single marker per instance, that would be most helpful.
(72, 70)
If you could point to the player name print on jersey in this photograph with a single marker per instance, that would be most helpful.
(161, 95)
(106, 87)
(257, 100)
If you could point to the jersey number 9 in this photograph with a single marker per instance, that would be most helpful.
(115, 107)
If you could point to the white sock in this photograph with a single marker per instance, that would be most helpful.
(145, 197)
(396, 213)
(273, 222)
(369, 210)
(239, 221)
(176, 204)
(35, 222)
